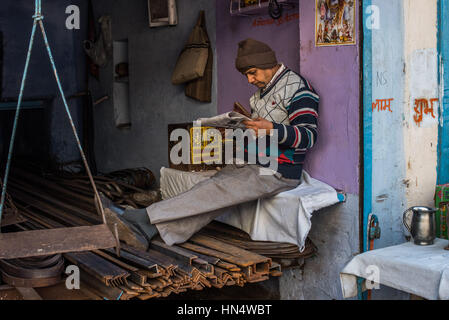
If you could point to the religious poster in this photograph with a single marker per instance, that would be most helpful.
(335, 22)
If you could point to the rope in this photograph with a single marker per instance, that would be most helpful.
(38, 19)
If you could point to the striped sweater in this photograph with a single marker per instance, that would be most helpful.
(290, 102)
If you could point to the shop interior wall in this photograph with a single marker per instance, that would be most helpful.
(16, 24)
(281, 35)
(334, 73)
(154, 101)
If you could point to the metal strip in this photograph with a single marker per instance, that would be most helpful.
(367, 122)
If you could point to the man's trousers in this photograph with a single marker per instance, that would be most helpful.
(178, 218)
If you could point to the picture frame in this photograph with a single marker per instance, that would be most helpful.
(335, 22)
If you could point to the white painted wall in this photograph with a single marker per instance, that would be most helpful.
(421, 81)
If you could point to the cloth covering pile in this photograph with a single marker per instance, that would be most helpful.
(285, 217)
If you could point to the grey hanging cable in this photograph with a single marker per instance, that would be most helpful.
(275, 9)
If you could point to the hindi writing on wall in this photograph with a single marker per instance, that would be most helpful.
(335, 22)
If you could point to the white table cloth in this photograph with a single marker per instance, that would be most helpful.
(419, 270)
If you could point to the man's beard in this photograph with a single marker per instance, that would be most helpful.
(260, 85)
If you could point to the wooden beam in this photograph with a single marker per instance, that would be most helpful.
(51, 241)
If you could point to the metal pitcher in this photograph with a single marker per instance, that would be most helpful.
(422, 227)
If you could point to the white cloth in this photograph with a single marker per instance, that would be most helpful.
(420, 270)
(286, 217)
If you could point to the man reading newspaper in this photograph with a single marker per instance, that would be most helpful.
(284, 106)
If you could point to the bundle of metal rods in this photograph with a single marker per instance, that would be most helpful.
(274, 250)
(217, 256)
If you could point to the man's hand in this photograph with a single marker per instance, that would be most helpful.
(259, 123)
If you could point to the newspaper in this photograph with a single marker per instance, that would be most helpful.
(232, 120)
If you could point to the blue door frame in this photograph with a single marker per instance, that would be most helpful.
(367, 123)
(443, 129)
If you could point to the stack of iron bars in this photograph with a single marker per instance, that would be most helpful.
(217, 256)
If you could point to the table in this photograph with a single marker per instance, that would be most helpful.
(418, 270)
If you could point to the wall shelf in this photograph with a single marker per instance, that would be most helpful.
(260, 8)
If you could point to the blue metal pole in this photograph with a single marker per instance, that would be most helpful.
(443, 80)
(367, 133)
(19, 102)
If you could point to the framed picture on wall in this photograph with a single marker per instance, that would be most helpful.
(335, 22)
(162, 13)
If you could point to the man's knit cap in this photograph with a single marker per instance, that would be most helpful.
(254, 54)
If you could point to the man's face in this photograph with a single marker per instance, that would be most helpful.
(259, 77)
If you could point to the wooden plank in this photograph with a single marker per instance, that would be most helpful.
(51, 241)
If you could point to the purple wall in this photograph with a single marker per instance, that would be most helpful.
(281, 37)
(334, 73)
